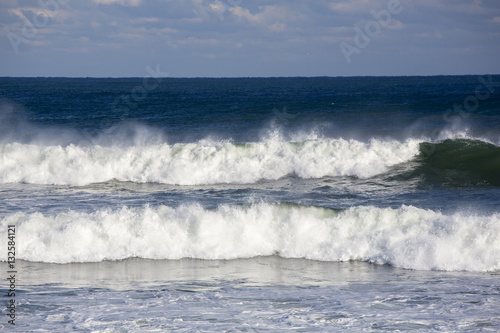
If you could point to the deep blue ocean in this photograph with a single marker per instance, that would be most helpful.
(253, 204)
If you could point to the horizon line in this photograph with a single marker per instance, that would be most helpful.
(236, 77)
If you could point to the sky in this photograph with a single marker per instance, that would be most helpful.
(248, 38)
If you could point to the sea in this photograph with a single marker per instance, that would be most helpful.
(323, 204)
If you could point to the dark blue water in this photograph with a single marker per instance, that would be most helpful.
(240, 109)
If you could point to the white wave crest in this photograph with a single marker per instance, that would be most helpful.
(407, 237)
(204, 162)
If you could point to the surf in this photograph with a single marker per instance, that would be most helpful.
(203, 162)
(406, 237)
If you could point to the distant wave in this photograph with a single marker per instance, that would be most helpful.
(407, 237)
(204, 162)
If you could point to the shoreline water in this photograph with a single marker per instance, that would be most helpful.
(262, 270)
(253, 294)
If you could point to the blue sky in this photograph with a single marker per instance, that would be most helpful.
(233, 38)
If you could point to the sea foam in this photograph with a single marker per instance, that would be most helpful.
(406, 237)
(204, 162)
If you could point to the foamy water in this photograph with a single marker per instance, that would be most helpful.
(407, 237)
(204, 162)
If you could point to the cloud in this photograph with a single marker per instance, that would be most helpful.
(274, 18)
(354, 6)
(246, 37)
(146, 20)
(129, 3)
(277, 27)
(38, 12)
(396, 25)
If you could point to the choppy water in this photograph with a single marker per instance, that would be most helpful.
(375, 175)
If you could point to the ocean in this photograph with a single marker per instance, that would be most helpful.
(250, 204)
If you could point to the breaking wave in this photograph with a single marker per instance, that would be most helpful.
(460, 162)
(455, 161)
(204, 162)
(406, 237)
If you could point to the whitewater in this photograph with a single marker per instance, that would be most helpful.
(204, 162)
(407, 237)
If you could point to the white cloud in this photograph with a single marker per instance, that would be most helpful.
(38, 12)
(396, 25)
(277, 27)
(125, 35)
(131, 3)
(354, 6)
(274, 18)
(218, 7)
(268, 15)
(146, 20)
